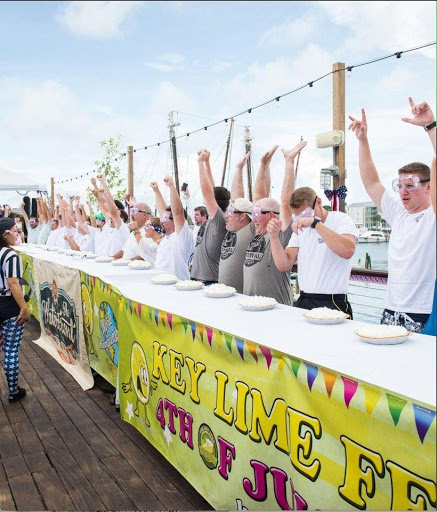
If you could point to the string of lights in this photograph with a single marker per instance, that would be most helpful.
(276, 99)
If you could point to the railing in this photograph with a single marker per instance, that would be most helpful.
(366, 293)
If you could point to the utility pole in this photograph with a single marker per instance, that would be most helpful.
(228, 143)
(248, 145)
(339, 123)
(130, 171)
(52, 194)
(171, 128)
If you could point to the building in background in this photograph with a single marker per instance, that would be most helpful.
(366, 216)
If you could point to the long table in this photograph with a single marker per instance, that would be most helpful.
(257, 410)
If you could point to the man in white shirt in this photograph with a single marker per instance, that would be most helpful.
(177, 245)
(322, 244)
(32, 225)
(141, 214)
(412, 246)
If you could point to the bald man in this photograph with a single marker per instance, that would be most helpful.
(261, 276)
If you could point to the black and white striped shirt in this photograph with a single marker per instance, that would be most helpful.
(9, 267)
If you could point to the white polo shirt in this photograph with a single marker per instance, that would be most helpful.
(320, 270)
(174, 252)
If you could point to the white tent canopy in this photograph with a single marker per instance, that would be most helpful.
(13, 186)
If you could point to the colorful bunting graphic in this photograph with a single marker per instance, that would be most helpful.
(329, 378)
(424, 418)
(396, 406)
(281, 364)
(267, 353)
(156, 316)
(185, 324)
(228, 339)
(149, 310)
(201, 329)
(218, 339)
(350, 388)
(130, 305)
(209, 333)
(193, 329)
(372, 397)
(252, 349)
(312, 372)
(240, 346)
(162, 317)
(170, 320)
(295, 364)
(139, 306)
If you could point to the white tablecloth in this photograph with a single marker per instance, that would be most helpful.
(407, 369)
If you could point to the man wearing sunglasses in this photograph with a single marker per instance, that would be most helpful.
(261, 276)
(141, 214)
(322, 244)
(177, 245)
(412, 246)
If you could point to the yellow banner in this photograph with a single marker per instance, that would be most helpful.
(29, 290)
(253, 428)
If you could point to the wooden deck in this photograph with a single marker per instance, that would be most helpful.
(62, 448)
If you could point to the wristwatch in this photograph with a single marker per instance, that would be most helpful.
(430, 126)
(315, 222)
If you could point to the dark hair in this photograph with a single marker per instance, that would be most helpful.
(223, 197)
(302, 196)
(119, 204)
(202, 211)
(416, 168)
(124, 216)
(3, 243)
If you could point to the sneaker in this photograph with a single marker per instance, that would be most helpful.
(14, 397)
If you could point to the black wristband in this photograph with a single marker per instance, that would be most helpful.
(430, 126)
(315, 222)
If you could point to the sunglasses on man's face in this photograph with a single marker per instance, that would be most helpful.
(409, 183)
(136, 210)
(257, 211)
(166, 217)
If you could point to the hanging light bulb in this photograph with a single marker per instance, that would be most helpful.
(277, 104)
(349, 71)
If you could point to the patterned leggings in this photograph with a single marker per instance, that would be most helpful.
(12, 335)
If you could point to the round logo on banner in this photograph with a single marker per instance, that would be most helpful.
(207, 446)
(87, 309)
(140, 373)
(108, 331)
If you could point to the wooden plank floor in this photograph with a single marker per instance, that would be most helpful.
(62, 448)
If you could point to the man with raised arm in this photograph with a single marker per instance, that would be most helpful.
(261, 276)
(211, 233)
(412, 246)
(322, 244)
(141, 214)
(239, 234)
(176, 246)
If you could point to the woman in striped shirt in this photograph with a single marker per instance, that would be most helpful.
(13, 309)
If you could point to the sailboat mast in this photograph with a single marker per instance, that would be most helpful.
(228, 143)
(248, 146)
(171, 128)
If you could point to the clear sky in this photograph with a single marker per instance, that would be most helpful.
(74, 73)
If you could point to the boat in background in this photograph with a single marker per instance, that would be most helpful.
(372, 236)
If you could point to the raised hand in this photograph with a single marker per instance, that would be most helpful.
(290, 154)
(203, 155)
(274, 227)
(422, 114)
(267, 157)
(359, 127)
(243, 161)
(168, 180)
(301, 223)
(154, 186)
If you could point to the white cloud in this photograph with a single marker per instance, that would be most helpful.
(291, 31)
(168, 62)
(97, 20)
(218, 66)
(388, 26)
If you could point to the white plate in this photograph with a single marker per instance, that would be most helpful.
(254, 307)
(119, 263)
(99, 261)
(219, 295)
(90, 256)
(140, 268)
(170, 281)
(182, 288)
(325, 321)
(395, 340)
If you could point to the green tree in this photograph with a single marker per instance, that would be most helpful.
(110, 169)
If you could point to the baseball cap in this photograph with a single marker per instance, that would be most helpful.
(242, 205)
(99, 216)
(6, 223)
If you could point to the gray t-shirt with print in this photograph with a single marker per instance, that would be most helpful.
(207, 250)
(261, 277)
(232, 256)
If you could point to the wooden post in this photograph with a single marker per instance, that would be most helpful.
(130, 171)
(52, 194)
(339, 123)
(228, 143)
(248, 147)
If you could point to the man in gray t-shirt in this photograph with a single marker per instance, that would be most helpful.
(238, 237)
(261, 277)
(211, 233)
